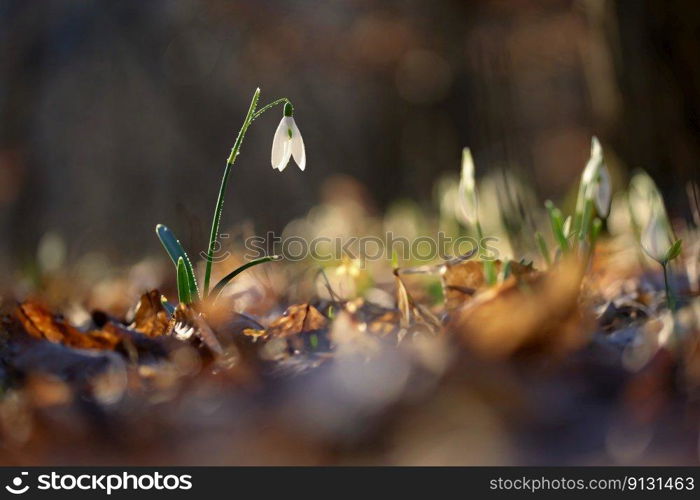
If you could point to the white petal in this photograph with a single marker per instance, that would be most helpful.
(298, 151)
(590, 172)
(467, 203)
(656, 239)
(280, 144)
(604, 192)
(467, 177)
(286, 155)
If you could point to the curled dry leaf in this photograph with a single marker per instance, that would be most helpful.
(38, 322)
(463, 279)
(150, 317)
(540, 311)
(296, 319)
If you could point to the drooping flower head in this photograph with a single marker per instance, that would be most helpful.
(595, 180)
(468, 202)
(288, 142)
(644, 199)
(657, 238)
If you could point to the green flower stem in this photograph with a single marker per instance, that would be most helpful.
(235, 151)
(555, 219)
(670, 299)
(586, 218)
(272, 105)
(489, 266)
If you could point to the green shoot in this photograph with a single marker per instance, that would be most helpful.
(544, 248)
(183, 283)
(176, 252)
(216, 220)
(593, 198)
(185, 271)
(586, 218)
(557, 224)
(507, 270)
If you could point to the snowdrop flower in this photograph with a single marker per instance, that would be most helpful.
(596, 180)
(287, 142)
(643, 197)
(657, 238)
(468, 203)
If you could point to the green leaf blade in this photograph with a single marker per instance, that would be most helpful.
(557, 223)
(183, 282)
(175, 251)
(216, 291)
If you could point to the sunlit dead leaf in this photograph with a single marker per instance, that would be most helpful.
(540, 311)
(461, 280)
(42, 324)
(297, 319)
(150, 317)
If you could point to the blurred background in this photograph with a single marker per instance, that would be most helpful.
(115, 116)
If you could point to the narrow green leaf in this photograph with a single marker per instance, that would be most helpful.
(175, 251)
(555, 219)
(183, 283)
(490, 272)
(544, 248)
(225, 280)
(674, 251)
(507, 270)
(584, 230)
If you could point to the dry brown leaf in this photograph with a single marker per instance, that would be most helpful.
(462, 280)
(539, 311)
(38, 322)
(150, 317)
(296, 319)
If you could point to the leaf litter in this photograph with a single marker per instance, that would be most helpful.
(516, 367)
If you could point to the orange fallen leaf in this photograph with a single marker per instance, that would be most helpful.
(38, 322)
(539, 311)
(150, 317)
(296, 319)
(462, 280)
